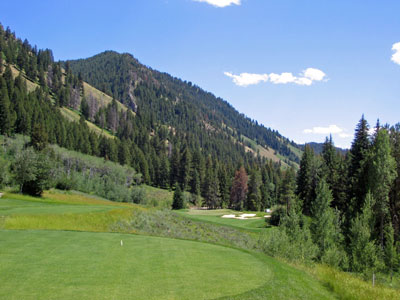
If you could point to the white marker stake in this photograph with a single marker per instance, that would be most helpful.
(122, 243)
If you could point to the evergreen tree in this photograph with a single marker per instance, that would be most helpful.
(185, 168)
(39, 137)
(85, 108)
(239, 189)
(334, 173)
(254, 192)
(382, 172)
(178, 198)
(358, 169)
(307, 179)
(5, 110)
(287, 196)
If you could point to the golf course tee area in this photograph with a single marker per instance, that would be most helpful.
(71, 245)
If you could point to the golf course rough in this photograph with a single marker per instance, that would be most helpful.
(83, 265)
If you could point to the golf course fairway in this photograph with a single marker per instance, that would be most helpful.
(81, 265)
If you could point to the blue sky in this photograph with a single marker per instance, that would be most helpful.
(305, 68)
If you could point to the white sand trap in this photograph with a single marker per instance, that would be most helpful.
(267, 216)
(229, 216)
(248, 215)
(241, 217)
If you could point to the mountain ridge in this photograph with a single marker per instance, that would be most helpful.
(134, 83)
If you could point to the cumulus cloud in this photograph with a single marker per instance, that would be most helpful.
(344, 135)
(220, 3)
(396, 54)
(307, 77)
(324, 130)
(246, 79)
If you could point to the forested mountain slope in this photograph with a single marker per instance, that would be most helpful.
(170, 131)
(173, 102)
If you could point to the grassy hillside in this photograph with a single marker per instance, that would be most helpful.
(74, 116)
(102, 98)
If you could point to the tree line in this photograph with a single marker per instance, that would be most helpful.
(343, 210)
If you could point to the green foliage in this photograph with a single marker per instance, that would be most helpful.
(39, 138)
(307, 179)
(4, 165)
(178, 199)
(32, 171)
(278, 213)
(325, 228)
(292, 241)
(364, 258)
(382, 172)
(253, 201)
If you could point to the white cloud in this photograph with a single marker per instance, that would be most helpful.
(307, 77)
(344, 135)
(220, 3)
(396, 54)
(324, 130)
(246, 79)
(282, 78)
(314, 74)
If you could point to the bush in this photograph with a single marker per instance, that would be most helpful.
(138, 195)
(66, 183)
(277, 215)
(32, 171)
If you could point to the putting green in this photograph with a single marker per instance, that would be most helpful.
(83, 265)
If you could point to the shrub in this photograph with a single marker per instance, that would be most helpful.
(138, 195)
(277, 215)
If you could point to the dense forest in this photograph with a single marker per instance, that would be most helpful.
(181, 149)
(343, 210)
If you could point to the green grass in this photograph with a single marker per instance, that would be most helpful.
(157, 197)
(73, 116)
(214, 216)
(77, 253)
(102, 98)
(65, 265)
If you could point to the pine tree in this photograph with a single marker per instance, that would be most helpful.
(39, 137)
(253, 202)
(307, 179)
(5, 110)
(358, 169)
(212, 194)
(239, 189)
(287, 196)
(334, 174)
(178, 198)
(85, 108)
(185, 168)
(382, 172)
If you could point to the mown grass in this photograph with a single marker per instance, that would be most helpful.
(61, 264)
(65, 265)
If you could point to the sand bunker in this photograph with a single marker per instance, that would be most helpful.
(241, 217)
